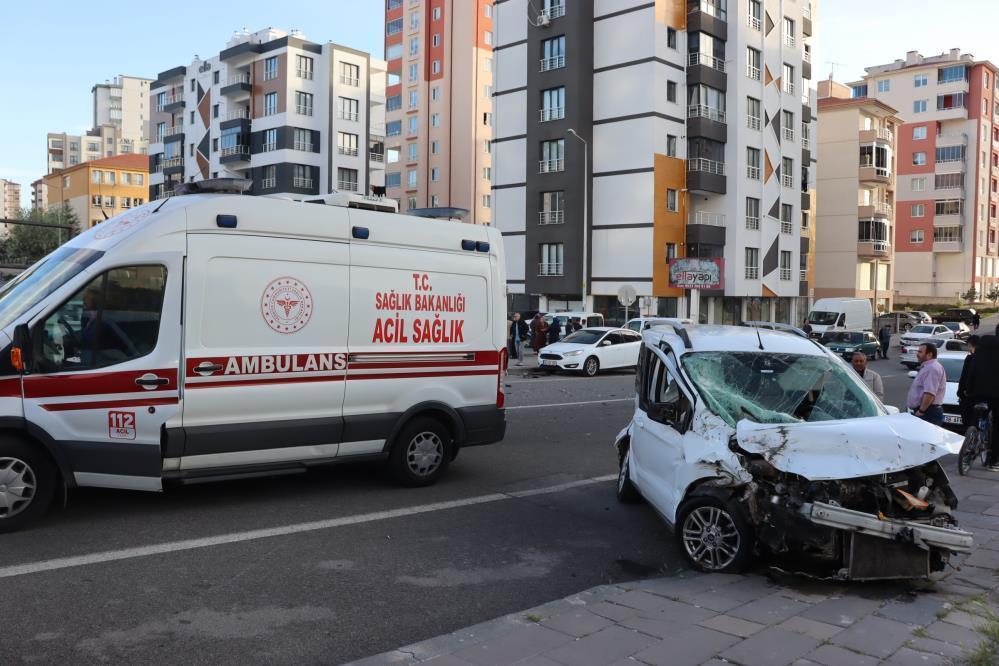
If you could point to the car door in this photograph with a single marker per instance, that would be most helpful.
(103, 372)
(608, 350)
(631, 343)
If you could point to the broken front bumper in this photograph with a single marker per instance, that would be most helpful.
(919, 534)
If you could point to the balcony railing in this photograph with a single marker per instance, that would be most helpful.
(806, 56)
(170, 131)
(236, 150)
(785, 274)
(753, 122)
(268, 183)
(789, 40)
(172, 162)
(803, 275)
(705, 165)
(787, 180)
(237, 114)
(555, 62)
(786, 227)
(806, 143)
(553, 12)
(547, 268)
(789, 87)
(703, 111)
(306, 74)
(789, 133)
(710, 8)
(348, 115)
(753, 22)
(376, 157)
(753, 72)
(346, 185)
(343, 150)
(705, 59)
(753, 173)
(704, 217)
(880, 208)
(806, 10)
(752, 222)
(552, 114)
(752, 272)
(350, 81)
(551, 166)
(166, 194)
(301, 182)
(268, 147)
(551, 217)
(237, 79)
(306, 146)
(303, 109)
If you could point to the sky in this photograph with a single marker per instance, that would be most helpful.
(53, 52)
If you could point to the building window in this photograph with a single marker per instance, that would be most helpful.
(487, 173)
(552, 256)
(671, 91)
(804, 220)
(270, 68)
(412, 151)
(414, 20)
(393, 27)
(111, 142)
(215, 145)
(435, 67)
(414, 46)
(437, 14)
(215, 111)
(270, 140)
(435, 93)
(412, 178)
(752, 213)
(787, 83)
(787, 171)
(755, 14)
(552, 208)
(435, 174)
(952, 73)
(753, 107)
(302, 176)
(786, 213)
(670, 145)
(393, 128)
(787, 118)
(919, 80)
(393, 52)
(951, 101)
(414, 99)
(393, 179)
(393, 103)
(304, 67)
(414, 125)
(917, 210)
(752, 263)
(349, 108)
(859, 90)
(435, 41)
(414, 72)
(919, 133)
(950, 154)
(884, 85)
(918, 184)
(672, 202)
(949, 207)
(916, 236)
(303, 103)
(553, 53)
(346, 179)
(487, 37)
(553, 104)
(671, 38)
(435, 120)
(269, 180)
(302, 140)
(919, 158)
(487, 11)
(785, 265)
(487, 201)
(435, 201)
(947, 234)
(670, 251)
(753, 163)
(435, 147)
(753, 60)
(788, 31)
(919, 106)
(270, 104)
(552, 156)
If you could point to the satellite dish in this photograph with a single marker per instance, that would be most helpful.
(626, 295)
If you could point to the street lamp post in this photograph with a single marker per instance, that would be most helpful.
(586, 210)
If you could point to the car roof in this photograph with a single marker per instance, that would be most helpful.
(732, 338)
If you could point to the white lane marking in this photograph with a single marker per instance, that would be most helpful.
(253, 535)
(572, 404)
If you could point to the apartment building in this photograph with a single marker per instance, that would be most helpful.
(856, 186)
(39, 195)
(948, 172)
(296, 117)
(120, 122)
(439, 105)
(10, 198)
(100, 189)
(663, 145)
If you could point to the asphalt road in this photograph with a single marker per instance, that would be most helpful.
(351, 584)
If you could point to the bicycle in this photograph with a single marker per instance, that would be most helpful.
(976, 440)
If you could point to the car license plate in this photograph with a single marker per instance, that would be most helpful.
(549, 363)
(952, 418)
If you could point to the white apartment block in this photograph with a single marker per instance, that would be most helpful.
(296, 117)
(10, 199)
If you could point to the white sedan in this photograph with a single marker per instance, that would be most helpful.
(908, 352)
(917, 334)
(591, 350)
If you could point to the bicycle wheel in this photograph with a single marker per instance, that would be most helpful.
(966, 457)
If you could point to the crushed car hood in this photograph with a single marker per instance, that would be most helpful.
(829, 450)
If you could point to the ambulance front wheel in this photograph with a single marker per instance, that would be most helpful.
(421, 452)
(27, 483)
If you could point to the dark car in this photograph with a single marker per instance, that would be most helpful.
(961, 330)
(963, 315)
(846, 343)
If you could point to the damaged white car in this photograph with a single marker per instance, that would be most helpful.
(758, 443)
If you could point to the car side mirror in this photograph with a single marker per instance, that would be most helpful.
(912, 374)
(892, 410)
(605, 343)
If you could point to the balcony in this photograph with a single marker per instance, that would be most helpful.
(753, 72)
(707, 69)
(343, 150)
(553, 12)
(347, 81)
(551, 166)
(952, 140)
(868, 173)
(785, 273)
(803, 275)
(268, 147)
(554, 62)
(789, 40)
(873, 248)
(752, 222)
(948, 246)
(948, 219)
(546, 269)
(551, 217)
(752, 272)
(172, 165)
(345, 185)
(806, 20)
(875, 209)
(707, 60)
(877, 134)
(238, 153)
(788, 133)
(268, 183)
(753, 172)
(706, 16)
(787, 180)
(706, 121)
(302, 183)
(704, 227)
(237, 86)
(754, 22)
(788, 87)
(171, 103)
(547, 115)
(306, 146)
(753, 122)
(704, 175)
(704, 217)
(303, 109)
(237, 114)
(347, 115)
(376, 157)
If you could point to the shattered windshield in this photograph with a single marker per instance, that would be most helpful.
(822, 318)
(778, 388)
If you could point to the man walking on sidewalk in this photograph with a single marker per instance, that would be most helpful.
(518, 334)
(926, 395)
(871, 378)
(884, 337)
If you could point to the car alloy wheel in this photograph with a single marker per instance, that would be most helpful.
(711, 538)
(591, 367)
(18, 485)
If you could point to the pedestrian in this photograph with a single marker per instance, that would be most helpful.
(871, 378)
(554, 331)
(976, 320)
(807, 328)
(577, 325)
(517, 338)
(539, 332)
(965, 398)
(884, 337)
(926, 395)
(568, 326)
(981, 384)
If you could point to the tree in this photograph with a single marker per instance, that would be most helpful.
(993, 294)
(24, 244)
(971, 295)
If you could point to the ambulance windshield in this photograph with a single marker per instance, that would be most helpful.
(28, 289)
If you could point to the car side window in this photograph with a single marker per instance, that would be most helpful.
(114, 318)
(614, 338)
(630, 336)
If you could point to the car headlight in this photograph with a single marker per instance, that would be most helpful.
(573, 353)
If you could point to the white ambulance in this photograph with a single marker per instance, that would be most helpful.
(218, 336)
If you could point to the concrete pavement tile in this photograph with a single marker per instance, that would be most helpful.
(975, 505)
(697, 645)
(605, 646)
(667, 624)
(687, 586)
(679, 613)
(748, 589)
(612, 611)
(907, 657)
(988, 559)
(446, 660)
(538, 660)
(517, 645)
(920, 610)
(732, 625)
(577, 623)
(771, 647)
(953, 634)
(813, 628)
(642, 601)
(714, 601)
(964, 619)
(770, 610)
(936, 647)
(394, 658)
(833, 655)
(874, 635)
(843, 611)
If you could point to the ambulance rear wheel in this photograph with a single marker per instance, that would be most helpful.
(421, 453)
(27, 484)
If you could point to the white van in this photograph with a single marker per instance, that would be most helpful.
(586, 319)
(217, 336)
(840, 314)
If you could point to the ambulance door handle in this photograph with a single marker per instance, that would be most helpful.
(150, 381)
(207, 368)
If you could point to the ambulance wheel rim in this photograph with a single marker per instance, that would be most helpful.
(17, 486)
(425, 453)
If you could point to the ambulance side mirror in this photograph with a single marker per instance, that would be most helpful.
(20, 350)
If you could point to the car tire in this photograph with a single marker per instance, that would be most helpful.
(626, 490)
(591, 366)
(421, 452)
(27, 483)
(714, 535)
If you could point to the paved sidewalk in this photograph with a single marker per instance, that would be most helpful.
(756, 619)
